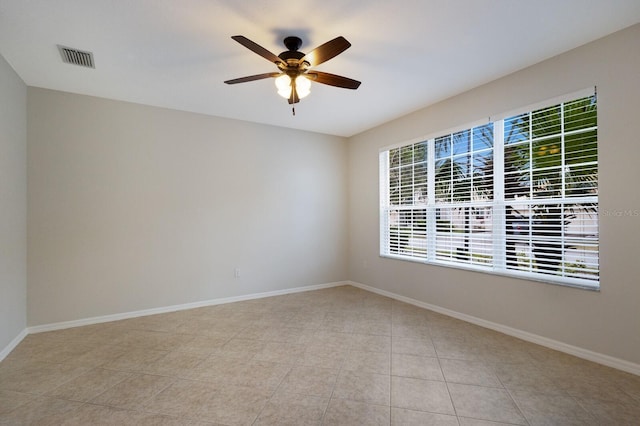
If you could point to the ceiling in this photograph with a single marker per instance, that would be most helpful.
(408, 53)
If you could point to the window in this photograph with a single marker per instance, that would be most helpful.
(515, 196)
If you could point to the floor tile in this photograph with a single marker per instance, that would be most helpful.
(337, 324)
(330, 340)
(588, 387)
(418, 367)
(144, 339)
(99, 356)
(404, 417)
(526, 376)
(466, 421)
(88, 385)
(203, 345)
(544, 409)
(256, 332)
(364, 387)
(10, 400)
(411, 346)
(40, 377)
(410, 331)
(239, 372)
(313, 381)
(370, 343)
(176, 363)
(233, 405)
(612, 412)
(36, 410)
(285, 409)
(485, 404)
(368, 362)
(181, 398)
(259, 374)
(290, 335)
(455, 349)
(322, 356)
(100, 415)
(280, 352)
(420, 395)
(134, 391)
(60, 352)
(240, 349)
(138, 418)
(134, 360)
(342, 412)
(468, 372)
(373, 326)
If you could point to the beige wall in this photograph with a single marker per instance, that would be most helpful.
(13, 205)
(607, 322)
(134, 207)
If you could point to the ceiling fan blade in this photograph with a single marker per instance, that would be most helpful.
(327, 51)
(256, 48)
(252, 78)
(333, 80)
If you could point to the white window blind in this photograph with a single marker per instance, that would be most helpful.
(463, 195)
(406, 200)
(517, 196)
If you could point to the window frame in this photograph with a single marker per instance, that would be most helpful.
(499, 203)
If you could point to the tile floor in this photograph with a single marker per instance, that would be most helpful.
(340, 356)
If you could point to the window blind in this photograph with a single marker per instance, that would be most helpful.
(516, 196)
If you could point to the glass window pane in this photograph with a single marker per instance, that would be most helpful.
(547, 153)
(483, 174)
(516, 129)
(483, 137)
(420, 152)
(580, 114)
(461, 142)
(547, 183)
(546, 122)
(581, 148)
(443, 147)
(406, 155)
(394, 158)
(517, 157)
(581, 180)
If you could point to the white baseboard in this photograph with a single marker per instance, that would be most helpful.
(174, 308)
(599, 358)
(12, 345)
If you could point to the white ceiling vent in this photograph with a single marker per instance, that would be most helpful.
(76, 57)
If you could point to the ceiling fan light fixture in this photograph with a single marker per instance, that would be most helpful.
(283, 84)
(303, 86)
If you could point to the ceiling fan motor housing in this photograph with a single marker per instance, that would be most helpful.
(292, 56)
(292, 42)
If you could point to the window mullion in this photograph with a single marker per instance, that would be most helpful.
(499, 219)
(384, 202)
(431, 200)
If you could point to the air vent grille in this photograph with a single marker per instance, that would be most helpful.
(76, 57)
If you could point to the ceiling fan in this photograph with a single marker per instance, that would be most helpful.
(294, 75)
